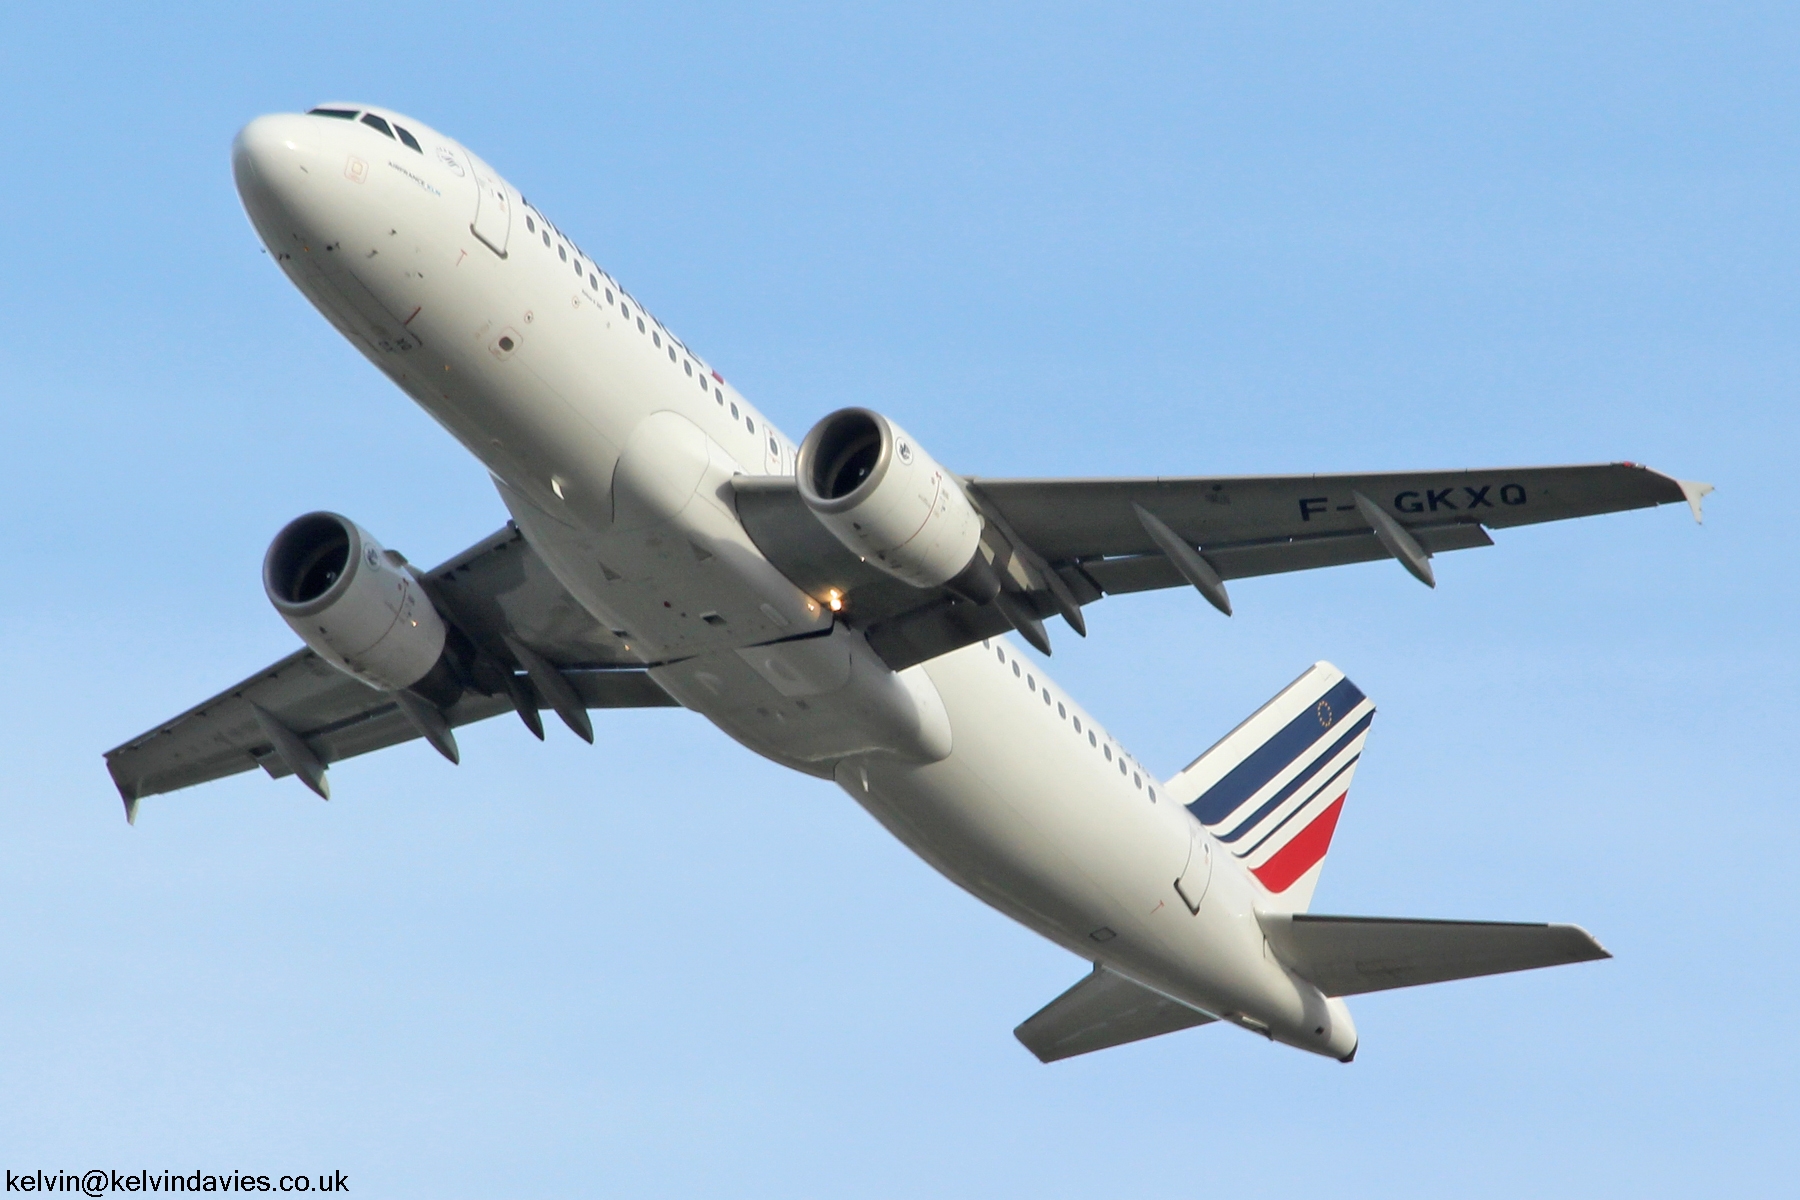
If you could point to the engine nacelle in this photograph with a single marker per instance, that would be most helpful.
(891, 504)
(353, 602)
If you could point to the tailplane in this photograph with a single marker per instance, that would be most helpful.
(1104, 1009)
(1272, 789)
(1346, 956)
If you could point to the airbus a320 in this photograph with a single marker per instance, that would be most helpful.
(846, 607)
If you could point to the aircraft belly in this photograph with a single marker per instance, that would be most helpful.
(1028, 817)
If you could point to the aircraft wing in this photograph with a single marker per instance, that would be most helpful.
(1063, 543)
(495, 589)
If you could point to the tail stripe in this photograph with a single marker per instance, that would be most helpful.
(1300, 855)
(1268, 760)
(1271, 791)
(1298, 781)
(1304, 805)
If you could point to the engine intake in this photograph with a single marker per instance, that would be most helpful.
(353, 602)
(892, 505)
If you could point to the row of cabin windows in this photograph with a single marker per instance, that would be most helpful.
(381, 125)
(687, 365)
(378, 124)
(1137, 778)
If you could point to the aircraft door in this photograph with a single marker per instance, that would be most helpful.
(493, 207)
(1192, 884)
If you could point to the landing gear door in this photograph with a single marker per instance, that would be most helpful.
(1191, 886)
(493, 207)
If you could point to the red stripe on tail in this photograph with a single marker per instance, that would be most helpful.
(1301, 853)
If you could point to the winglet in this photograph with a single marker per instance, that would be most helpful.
(127, 791)
(1694, 493)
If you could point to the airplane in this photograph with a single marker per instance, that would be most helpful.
(845, 606)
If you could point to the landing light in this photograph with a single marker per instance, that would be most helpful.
(835, 600)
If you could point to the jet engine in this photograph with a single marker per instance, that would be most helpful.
(353, 602)
(892, 505)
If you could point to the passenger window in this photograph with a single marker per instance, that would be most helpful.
(1091, 740)
(1061, 711)
(751, 424)
(593, 284)
(671, 354)
(609, 298)
(1107, 750)
(577, 266)
(640, 324)
(626, 309)
(376, 123)
(734, 411)
(1031, 682)
(718, 395)
(688, 367)
(562, 252)
(1001, 651)
(1077, 724)
(1015, 668)
(342, 114)
(1121, 764)
(1046, 695)
(546, 237)
(656, 337)
(1152, 793)
(1137, 781)
(530, 225)
(411, 141)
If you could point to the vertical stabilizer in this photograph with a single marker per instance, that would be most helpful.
(1272, 789)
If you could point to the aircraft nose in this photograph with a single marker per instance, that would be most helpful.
(272, 158)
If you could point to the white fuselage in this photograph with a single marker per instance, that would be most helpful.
(613, 444)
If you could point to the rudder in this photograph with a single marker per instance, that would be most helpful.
(1271, 790)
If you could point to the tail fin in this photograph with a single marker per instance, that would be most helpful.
(1271, 790)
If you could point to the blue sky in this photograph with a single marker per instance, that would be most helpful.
(1049, 239)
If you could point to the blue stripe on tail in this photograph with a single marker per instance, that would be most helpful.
(1273, 756)
(1297, 782)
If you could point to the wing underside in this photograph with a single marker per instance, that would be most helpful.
(1056, 544)
(495, 590)
(1063, 543)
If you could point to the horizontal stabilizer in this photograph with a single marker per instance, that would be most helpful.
(1105, 1009)
(1345, 956)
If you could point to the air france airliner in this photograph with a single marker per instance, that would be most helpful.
(846, 606)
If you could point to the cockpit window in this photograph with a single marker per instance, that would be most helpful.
(411, 141)
(342, 114)
(375, 122)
